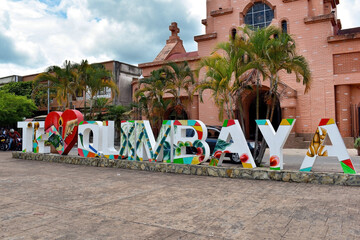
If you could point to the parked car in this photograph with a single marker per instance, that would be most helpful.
(213, 135)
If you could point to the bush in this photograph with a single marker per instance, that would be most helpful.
(357, 143)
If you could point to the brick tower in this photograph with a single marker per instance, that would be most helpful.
(333, 55)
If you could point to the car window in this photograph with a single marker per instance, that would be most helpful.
(212, 133)
(190, 132)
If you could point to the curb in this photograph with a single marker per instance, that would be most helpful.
(201, 170)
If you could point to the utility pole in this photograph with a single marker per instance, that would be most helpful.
(48, 97)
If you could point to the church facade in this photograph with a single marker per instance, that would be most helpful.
(333, 54)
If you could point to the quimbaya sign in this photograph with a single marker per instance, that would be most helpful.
(64, 129)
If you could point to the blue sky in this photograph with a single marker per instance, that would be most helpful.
(35, 34)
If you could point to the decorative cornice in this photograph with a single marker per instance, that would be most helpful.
(220, 12)
(161, 63)
(333, 2)
(204, 22)
(321, 18)
(345, 37)
(205, 37)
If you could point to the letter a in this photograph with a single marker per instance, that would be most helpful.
(317, 147)
(232, 140)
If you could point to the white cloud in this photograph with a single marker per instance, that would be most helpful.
(349, 12)
(40, 33)
(35, 34)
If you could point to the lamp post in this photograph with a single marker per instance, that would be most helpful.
(48, 97)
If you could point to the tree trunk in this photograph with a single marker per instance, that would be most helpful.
(85, 105)
(91, 109)
(230, 109)
(274, 99)
(273, 102)
(263, 144)
(68, 101)
(241, 113)
(268, 111)
(257, 117)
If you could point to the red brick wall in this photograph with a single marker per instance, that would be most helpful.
(343, 111)
(312, 42)
(347, 63)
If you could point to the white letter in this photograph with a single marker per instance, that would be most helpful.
(276, 140)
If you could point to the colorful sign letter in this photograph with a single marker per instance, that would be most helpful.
(85, 148)
(145, 141)
(327, 127)
(232, 140)
(34, 137)
(138, 142)
(276, 140)
(61, 128)
(127, 132)
(184, 141)
(103, 139)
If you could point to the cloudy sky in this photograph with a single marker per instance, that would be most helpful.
(35, 34)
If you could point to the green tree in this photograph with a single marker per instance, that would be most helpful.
(26, 89)
(272, 51)
(282, 56)
(224, 78)
(19, 88)
(97, 79)
(62, 80)
(150, 97)
(14, 108)
(179, 77)
(117, 113)
(101, 106)
(82, 77)
(254, 43)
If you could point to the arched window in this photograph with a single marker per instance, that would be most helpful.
(233, 33)
(284, 27)
(259, 15)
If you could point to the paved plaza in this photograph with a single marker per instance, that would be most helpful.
(40, 200)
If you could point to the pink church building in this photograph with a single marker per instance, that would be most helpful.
(333, 54)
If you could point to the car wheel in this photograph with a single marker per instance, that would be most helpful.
(234, 157)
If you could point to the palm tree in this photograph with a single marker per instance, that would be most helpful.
(82, 79)
(225, 78)
(179, 76)
(271, 51)
(254, 43)
(97, 79)
(61, 80)
(282, 56)
(117, 113)
(100, 104)
(151, 97)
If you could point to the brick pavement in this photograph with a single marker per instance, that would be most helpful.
(42, 200)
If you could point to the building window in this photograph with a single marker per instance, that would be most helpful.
(103, 91)
(284, 26)
(259, 15)
(233, 33)
(79, 93)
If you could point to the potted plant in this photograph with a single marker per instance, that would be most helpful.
(357, 145)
